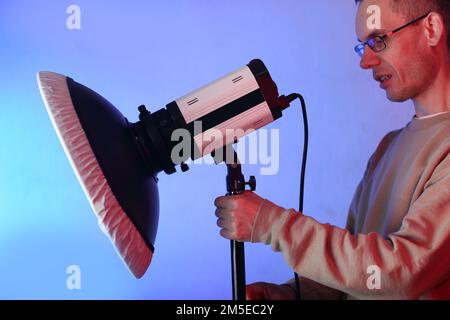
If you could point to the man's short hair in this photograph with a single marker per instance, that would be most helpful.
(413, 9)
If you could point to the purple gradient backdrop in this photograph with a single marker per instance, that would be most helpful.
(152, 52)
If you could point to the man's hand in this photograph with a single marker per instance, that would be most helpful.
(269, 291)
(237, 215)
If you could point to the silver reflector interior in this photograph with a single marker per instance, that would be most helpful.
(122, 191)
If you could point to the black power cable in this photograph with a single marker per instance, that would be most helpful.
(284, 102)
(302, 175)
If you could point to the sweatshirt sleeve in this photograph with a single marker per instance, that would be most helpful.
(312, 290)
(411, 261)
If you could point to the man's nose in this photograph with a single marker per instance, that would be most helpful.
(369, 59)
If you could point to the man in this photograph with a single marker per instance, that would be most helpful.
(399, 219)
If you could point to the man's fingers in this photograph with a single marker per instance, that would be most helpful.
(221, 202)
(225, 224)
(219, 213)
(226, 214)
(228, 202)
(218, 202)
(227, 234)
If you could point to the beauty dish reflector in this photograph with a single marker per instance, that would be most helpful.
(122, 191)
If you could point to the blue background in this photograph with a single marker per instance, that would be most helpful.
(153, 52)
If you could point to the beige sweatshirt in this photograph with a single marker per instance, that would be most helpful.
(398, 224)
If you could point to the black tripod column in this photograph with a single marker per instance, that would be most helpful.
(238, 269)
(236, 185)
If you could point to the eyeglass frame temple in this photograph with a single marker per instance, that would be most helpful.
(407, 25)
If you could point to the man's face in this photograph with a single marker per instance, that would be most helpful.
(404, 69)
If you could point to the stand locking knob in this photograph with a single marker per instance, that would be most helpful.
(184, 167)
(252, 183)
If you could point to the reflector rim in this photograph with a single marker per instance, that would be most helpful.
(112, 219)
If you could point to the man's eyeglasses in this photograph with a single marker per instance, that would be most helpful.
(378, 43)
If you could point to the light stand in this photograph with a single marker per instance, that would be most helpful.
(236, 183)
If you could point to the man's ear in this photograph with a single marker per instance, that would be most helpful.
(434, 28)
